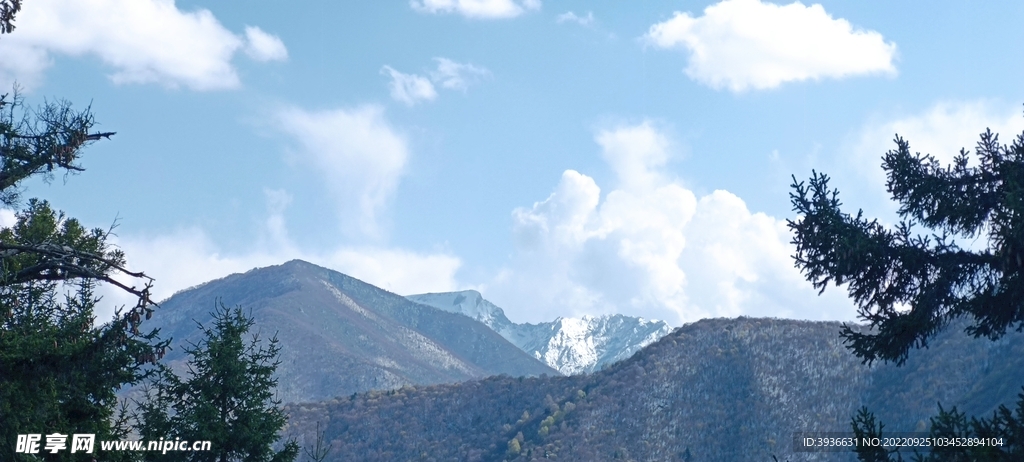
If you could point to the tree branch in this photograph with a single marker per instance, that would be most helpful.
(63, 262)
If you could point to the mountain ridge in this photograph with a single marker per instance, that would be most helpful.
(569, 345)
(340, 335)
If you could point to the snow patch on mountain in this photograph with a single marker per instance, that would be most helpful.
(569, 345)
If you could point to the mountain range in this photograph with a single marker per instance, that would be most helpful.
(340, 336)
(569, 345)
(449, 377)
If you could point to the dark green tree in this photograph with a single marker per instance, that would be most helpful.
(59, 371)
(910, 286)
(227, 397)
(8, 8)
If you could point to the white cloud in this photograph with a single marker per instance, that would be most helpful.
(409, 88)
(143, 41)
(277, 201)
(651, 247)
(744, 44)
(264, 47)
(188, 257)
(569, 16)
(22, 64)
(476, 9)
(7, 218)
(412, 88)
(182, 259)
(456, 76)
(359, 154)
(635, 154)
(400, 271)
(940, 130)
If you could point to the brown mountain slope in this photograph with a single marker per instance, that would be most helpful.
(340, 335)
(715, 390)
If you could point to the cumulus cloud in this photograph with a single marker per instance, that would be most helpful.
(359, 154)
(476, 9)
(264, 47)
(409, 88)
(143, 41)
(569, 16)
(635, 154)
(651, 247)
(748, 44)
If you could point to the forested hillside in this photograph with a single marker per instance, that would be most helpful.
(715, 390)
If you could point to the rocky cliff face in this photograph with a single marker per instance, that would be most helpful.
(569, 345)
(340, 336)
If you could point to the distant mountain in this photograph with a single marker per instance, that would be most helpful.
(570, 345)
(718, 390)
(339, 335)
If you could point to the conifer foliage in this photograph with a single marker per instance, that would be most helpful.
(937, 279)
(59, 371)
(910, 286)
(8, 9)
(226, 397)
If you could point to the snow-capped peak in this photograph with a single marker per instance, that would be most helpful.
(466, 302)
(570, 345)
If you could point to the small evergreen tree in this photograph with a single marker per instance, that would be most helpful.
(226, 398)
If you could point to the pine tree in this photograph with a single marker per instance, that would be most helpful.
(8, 8)
(227, 396)
(909, 287)
(59, 371)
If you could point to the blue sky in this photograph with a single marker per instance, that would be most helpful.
(564, 158)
